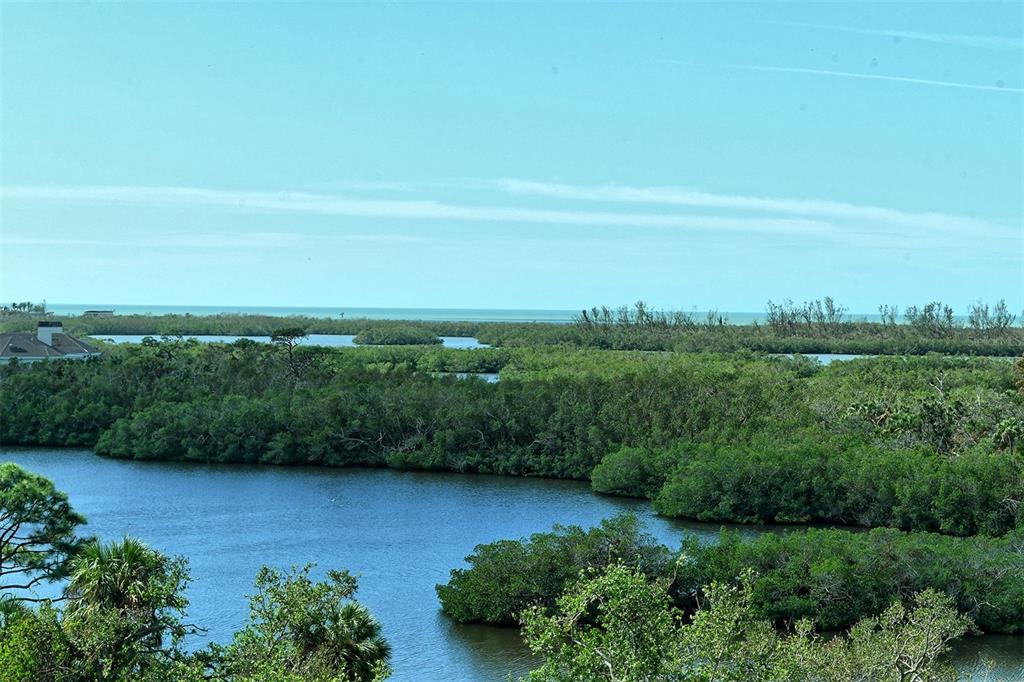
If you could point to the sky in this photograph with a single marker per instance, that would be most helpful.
(552, 156)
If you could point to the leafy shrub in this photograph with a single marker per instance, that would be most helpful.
(506, 577)
(397, 336)
(843, 480)
(629, 471)
(837, 577)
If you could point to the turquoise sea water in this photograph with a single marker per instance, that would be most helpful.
(429, 314)
(425, 314)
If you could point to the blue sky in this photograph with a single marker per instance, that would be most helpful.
(512, 156)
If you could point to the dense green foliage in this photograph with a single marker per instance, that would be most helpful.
(820, 326)
(227, 324)
(814, 327)
(834, 577)
(841, 480)
(37, 531)
(917, 443)
(397, 336)
(302, 630)
(122, 614)
(617, 625)
(605, 607)
(21, 308)
(929, 445)
(507, 576)
(632, 472)
(122, 620)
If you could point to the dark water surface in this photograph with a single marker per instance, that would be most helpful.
(401, 532)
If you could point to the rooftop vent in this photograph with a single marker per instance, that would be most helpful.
(46, 330)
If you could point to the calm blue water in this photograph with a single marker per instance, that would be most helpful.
(402, 532)
(826, 358)
(332, 340)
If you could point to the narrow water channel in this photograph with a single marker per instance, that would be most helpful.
(401, 532)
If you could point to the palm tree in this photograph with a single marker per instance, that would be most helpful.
(116, 575)
(130, 593)
(1008, 432)
(300, 628)
(357, 645)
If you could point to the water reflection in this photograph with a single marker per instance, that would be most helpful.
(494, 648)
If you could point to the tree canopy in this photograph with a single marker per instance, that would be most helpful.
(305, 630)
(37, 531)
(615, 624)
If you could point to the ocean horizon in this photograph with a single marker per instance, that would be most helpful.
(330, 312)
(385, 313)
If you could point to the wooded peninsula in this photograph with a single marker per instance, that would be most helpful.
(907, 467)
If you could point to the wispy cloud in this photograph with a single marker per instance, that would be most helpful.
(679, 209)
(16, 240)
(385, 238)
(206, 240)
(361, 185)
(830, 211)
(998, 87)
(878, 77)
(962, 40)
(320, 204)
(210, 241)
(173, 240)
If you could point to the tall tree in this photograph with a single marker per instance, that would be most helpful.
(124, 610)
(37, 532)
(301, 629)
(288, 339)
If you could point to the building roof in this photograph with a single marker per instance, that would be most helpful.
(26, 345)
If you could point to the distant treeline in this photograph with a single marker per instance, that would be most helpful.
(231, 324)
(819, 326)
(929, 443)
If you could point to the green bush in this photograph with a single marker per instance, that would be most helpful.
(629, 471)
(836, 577)
(508, 576)
(833, 577)
(397, 336)
(842, 480)
(734, 437)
